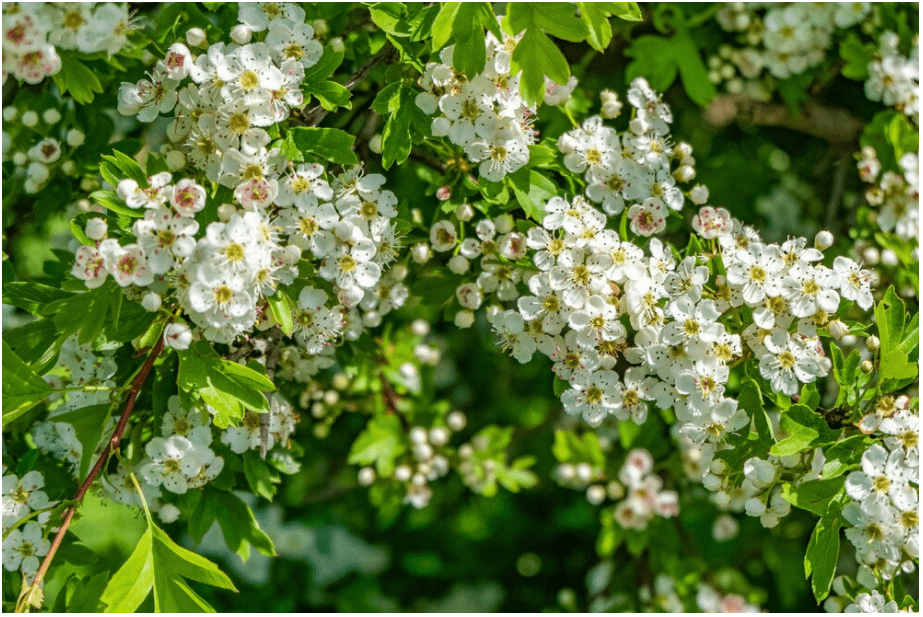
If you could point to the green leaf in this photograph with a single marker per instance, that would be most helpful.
(823, 552)
(128, 167)
(536, 56)
(326, 66)
(751, 401)
(380, 444)
(332, 145)
(330, 94)
(129, 587)
(517, 476)
(555, 18)
(258, 476)
(282, 308)
(160, 564)
(434, 288)
(857, 56)
(629, 11)
(599, 32)
(32, 297)
(406, 124)
(36, 343)
(230, 388)
(84, 597)
(653, 60)
(22, 388)
(533, 190)
(238, 524)
(692, 70)
(88, 312)
(814, 495)
(77, 79)
(442, 25)
(88, 423)
(806, 429)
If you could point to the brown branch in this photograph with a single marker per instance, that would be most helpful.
(833, 124)
(387, 54)
(112, 445)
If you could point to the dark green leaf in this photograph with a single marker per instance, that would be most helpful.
(332, 145)
(22, 388)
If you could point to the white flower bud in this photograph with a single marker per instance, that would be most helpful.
(69, 168)
(889, 258)
(241, 34)
(337, 45)
(420, 252)
(699, 194)
(340, 381)
(375, 143)
(458, 265)
(444, 193)
(96, 228)
(331, 397)
(584, 472)
(320, 27)
(423, 451)
(399, 272)
(151, 301)
(371, 319)
(38, 172)
(611, 105)
(769, 520)
(721, 499)
(418, 435)
(683, 150)
(823, 240)
(837, 329)
(872, 343)
(403, 473)
(420, 327)
(464, 319)
(20, 159)
(725, 528)
(464, 213)
(615, 490)
(684, 173)
(566, 472)
(465, 451)
(866, 577)
(456, 421)
(51, 116)
(195, 37)
(318, 410)
(75, 138)
(31, 186)
(178, 336)
(168, 513)
(871, 256)
(225, 212)
(30, 118)
(504, 224)
(755, 506)
(711, 482)
(867, 367)
(596, 494)
(366, 476)
(10, 113)
(438, 436)
(176, 160)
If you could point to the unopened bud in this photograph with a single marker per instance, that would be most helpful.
(96, 228)
(403, 473)
(420, 253)
(872, 343)
(366, 476)
(699, 194)
(685, 173)
(241, 34)
(444, 193)
(75, 138)
(837, 329)
(823, 240)
(456, 421)
(51, 116)
(464, 319)
(596, 494)
(225, 212)
(867, 366)
(195, 37)
(375, 143)
(176, 160)
(151, 302)
(464, 213)
(420, 327)
(337, 45)
(30, 118)
(320, 27)
(504, 224)
(458, 265)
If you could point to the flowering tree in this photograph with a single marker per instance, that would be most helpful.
(273, 252)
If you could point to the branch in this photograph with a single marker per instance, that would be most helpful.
(387, 54)
(833, 124)
(112, 445)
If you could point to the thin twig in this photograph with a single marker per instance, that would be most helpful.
(386, 55)
(113, 444)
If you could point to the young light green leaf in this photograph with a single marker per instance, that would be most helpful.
(806, 429)
(128, 587)
(22, 388)
(821, 557)
(258, 476)
(380, 444)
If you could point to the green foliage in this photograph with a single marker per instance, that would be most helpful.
(22, 388)
(381, 443)
(806, 429)
(76, 79)
(236, 520)
(464, 24)
(229, 388)
(331, 145)
(406, 124)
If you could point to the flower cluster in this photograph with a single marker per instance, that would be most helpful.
(36, 149)
(894, 79)
(896, 195)
(782, 39)
(220, 120)
(644, 494)
(484, 113)
(279, 426)
(884, 516)
(33, 32)
(634, 168)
